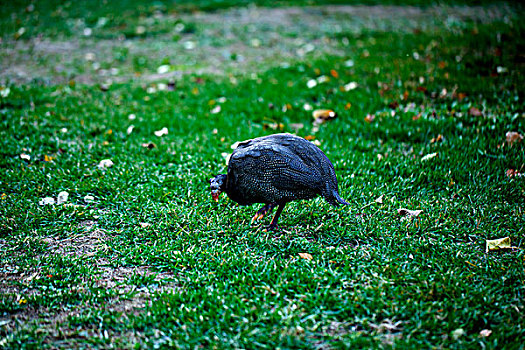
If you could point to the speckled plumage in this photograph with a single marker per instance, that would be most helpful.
(277, 169)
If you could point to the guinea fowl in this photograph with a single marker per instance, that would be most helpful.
(275, 170)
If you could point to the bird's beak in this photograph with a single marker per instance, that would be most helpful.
(215, 196)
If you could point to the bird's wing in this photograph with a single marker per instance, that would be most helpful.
(276, 165)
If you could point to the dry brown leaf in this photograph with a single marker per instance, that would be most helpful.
(306, 256)
(370, 118)
(437, 139)
(323, 115)
(309, 137)
(513, 137)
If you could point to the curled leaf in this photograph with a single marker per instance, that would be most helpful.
(408, 214)
(369, 118)
(62, 197)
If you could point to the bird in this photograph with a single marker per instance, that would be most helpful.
(274, 170)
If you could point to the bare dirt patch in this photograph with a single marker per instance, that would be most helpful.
(233, 41)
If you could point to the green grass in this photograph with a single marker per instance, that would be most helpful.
(153, 262)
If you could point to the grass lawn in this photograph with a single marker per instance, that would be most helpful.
(430, 104)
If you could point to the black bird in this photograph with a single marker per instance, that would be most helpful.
(275, 170)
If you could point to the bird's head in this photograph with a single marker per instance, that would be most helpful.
(217, 185)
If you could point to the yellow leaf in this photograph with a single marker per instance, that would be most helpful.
(497, 244)
(47, 158)
(306, 256)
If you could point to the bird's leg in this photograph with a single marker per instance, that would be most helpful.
(273, 224)
(263, 211)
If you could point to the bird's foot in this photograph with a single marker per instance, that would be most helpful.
(262, 212)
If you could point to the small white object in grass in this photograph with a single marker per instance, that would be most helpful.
(501, 70)
(129, 130)
(322, 79)
(316, 142)
(349, 63)
(47, 201)
(221, 99)
(87, 31)
(165, 68)
(62, 197)
(350, 86)
(90, 56)
(235, 145)
(458, 333)
(311, 83)
(307, 107)
(4, 91)
(63, 130)
(25, 157)
(161, 132)
(162, 87)
(140, 30)
(89, 199)
(428, 156)
(189, 45)
(151, 90)
(216, 110)
(105, 163)
(132, 116)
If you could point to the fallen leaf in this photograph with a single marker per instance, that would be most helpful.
(428, 156)
(273, 126)
(498, 244)
(485, 332)
(458, 333)
(89, 199)
(334, 73)
(48, 158)
(437, 139)
(161, 132)
(379, 199)
(62, 197)
(47, 201)
(348, 106)
(129, 130)
(406, 213)
(323, 115)
(216, 110)
(513, 137)
(475, 112)
(370, 118)
(309, 137)
(350, 86)
(105, 163)
(306, 256)
(513, 173)
(311, 83)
